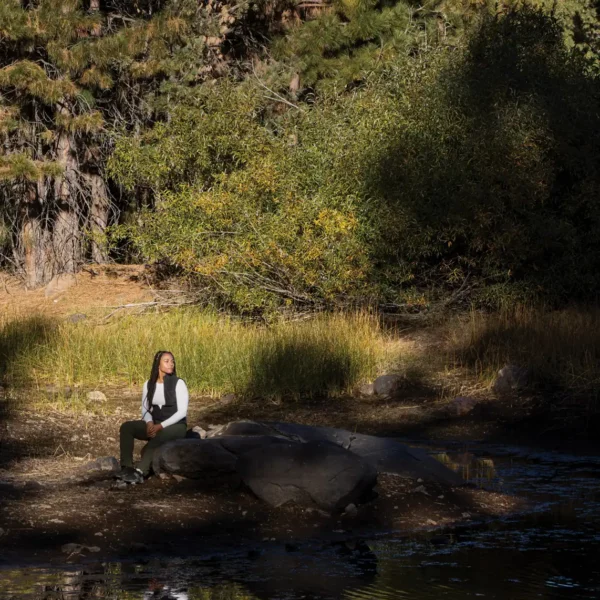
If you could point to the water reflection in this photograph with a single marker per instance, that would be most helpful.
(551, 554)
(477, 470)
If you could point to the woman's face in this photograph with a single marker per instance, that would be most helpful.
(167, 364)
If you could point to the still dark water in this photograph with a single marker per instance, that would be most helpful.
(553, 553)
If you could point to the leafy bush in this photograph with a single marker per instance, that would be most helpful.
(469, 171)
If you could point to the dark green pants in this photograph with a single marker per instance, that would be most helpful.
(136, 430)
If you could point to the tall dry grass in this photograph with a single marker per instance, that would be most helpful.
(561, 348)
(215, 354)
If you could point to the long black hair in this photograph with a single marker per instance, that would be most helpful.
(154, 375)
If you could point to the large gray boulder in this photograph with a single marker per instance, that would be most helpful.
(314, 472)
(200, 459)
(385, 455)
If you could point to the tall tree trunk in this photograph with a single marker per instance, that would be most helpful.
(67, 242)
(99, 213)
(34, 244)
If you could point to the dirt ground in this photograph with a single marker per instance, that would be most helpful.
(96, 288)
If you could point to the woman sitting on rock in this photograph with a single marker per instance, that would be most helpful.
(165, 401)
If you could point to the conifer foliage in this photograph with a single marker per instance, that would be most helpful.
(71, 72)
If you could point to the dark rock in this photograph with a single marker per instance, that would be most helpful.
(385, 455)
(33, 485)
(239, 445)
(462, 406)
(510, 380)
(315, 472)
(195, 459)
(245, 428)
(387, 385)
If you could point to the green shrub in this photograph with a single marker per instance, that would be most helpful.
(464, 173)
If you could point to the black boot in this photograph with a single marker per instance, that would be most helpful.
(130, 475)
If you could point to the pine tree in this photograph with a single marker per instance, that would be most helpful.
(71, 73)
(340, 45)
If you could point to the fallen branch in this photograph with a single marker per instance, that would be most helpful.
(146, 305)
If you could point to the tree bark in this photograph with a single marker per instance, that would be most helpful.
(34, 241)
(67, 242)
(99, 213)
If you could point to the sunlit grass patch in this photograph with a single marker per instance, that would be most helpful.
(325, 355)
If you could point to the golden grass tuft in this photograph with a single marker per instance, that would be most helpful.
(328, 354)
(561, 348)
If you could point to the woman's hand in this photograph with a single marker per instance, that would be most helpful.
(150, 429)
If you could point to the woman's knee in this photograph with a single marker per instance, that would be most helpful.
(126, 427)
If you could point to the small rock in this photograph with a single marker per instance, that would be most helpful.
(119, 485)
(441, 497)
(227, 399)
(110, 439)
(244, 513)
(420, 490)
(96, 396)
(466, 515)
(2, 532)
(366, 389)
(99, 534)
(511, 379)
(178, 478)
(351, 510)
(201, 432)
(387, 385)
(85, 436)
(33, 485)
(462, 405)
(104, 463)
(58, 521)
(419, 480)
(92, 548)
(73, 438)
(71, 548)
(120, 501)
